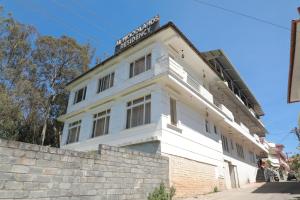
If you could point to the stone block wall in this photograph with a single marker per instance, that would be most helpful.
(30, 171)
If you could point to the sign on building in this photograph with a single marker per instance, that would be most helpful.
(137, 34)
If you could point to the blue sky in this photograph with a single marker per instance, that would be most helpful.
(259, 51)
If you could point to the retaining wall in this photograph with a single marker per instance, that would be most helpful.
(30, 171)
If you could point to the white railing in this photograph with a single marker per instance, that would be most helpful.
(189, 80)
(177, 70)
(243, 126)
(226, 111)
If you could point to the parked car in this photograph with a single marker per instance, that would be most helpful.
(291, 176)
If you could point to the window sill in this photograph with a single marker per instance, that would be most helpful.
(142, 126)
(78, 102)
(138, 75)
(71, 143)
(174, 128)
(98, 136)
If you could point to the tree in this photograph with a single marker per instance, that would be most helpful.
(295, 164)
(58, 61)
(10, 115)
(34, 71)
(15, 54)
(16, 69)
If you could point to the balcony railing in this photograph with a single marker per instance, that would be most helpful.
(226, 111)
(187, 78)
(177, 70)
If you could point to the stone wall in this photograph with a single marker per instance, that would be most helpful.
(191, 178)
(30, 171)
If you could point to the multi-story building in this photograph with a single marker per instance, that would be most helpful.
(159, 94)
(277, 159)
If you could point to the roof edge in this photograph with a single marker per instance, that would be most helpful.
(222, 53)
(292, 56)
(167, 25)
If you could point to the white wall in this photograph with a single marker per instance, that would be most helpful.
(192, 142)
(118, 134)
(196, 144)
(121, 82)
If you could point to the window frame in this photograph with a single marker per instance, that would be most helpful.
(105, 114)
(252, 157)
(207, 128)
(147, 65)
(231, 144)
(215, 129)
(75, 101)
(225, 145)
(240, 151)
(111, 80)
(131, 105)
(173, 111)
(74, 125)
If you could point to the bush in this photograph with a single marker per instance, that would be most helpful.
(161, 193)
(216, 189)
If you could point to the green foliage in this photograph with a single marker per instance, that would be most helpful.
(161, 193)
(34, 71)
(10, 116)
(269, 163)
(216, 189)
(295, 164)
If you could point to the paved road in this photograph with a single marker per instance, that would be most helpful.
(265, 191)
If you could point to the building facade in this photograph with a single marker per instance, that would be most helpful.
(277, 159)
(161, 95)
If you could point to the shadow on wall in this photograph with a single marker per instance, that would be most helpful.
(280, 187)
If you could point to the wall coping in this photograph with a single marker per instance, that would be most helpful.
(66, 152)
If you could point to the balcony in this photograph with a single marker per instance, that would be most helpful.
(178, 71)
(226, 111)
(175, 69)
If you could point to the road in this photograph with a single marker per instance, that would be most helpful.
(259, 191)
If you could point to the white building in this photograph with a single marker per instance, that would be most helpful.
(161, 95)
(277, 159)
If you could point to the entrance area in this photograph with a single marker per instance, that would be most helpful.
(230, 175)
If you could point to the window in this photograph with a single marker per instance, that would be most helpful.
(224, 143)
(231, 144)
(207, 129)
(80, 95)
(173, 111)
(101, 123)
(215, 129)
(139, 112)
(73, 132)
(106, 82)
(140, 65)
(240, 151)
(252, 157)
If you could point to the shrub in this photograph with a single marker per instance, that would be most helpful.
(161, 193)
(216, 189)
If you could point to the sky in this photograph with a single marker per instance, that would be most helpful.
(260, 51)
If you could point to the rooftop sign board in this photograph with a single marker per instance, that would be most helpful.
(138, 33)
